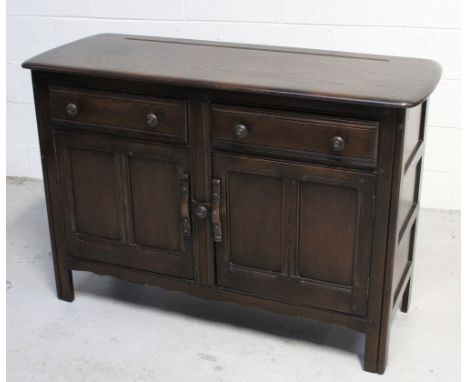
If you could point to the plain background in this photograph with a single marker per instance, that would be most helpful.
(417, 28)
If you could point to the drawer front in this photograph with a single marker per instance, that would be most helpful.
(237, 126)
(161, 116)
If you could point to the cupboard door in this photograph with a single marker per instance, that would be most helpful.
(297, 232)
(126, 203)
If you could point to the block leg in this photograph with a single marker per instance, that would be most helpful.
(376, 351)
(64, 284)
(405, 302)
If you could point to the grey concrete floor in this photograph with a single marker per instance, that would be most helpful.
(117, 331)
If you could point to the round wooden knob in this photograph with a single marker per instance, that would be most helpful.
(201, 212)
(337, 144)
(151, 119)
(72, 109)
(240, 131)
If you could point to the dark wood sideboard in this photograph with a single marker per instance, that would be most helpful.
(284, 179)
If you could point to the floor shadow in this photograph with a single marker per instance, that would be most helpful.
(288, 328)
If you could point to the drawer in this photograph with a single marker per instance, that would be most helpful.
(236, 127)
(160, 116)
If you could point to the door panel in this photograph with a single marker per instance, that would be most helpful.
(155, 219)
(326, 250)
(96, 212)
(297, 232)
(122, 202)
(250, 200)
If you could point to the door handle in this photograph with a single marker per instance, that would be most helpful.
(215, 214)
(184, 204)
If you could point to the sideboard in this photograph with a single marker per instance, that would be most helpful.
(281, 178)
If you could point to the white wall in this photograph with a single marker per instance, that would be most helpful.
(419, 28)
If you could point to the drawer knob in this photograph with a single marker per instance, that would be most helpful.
(151, 119)
(72, 109)
(201, 212)
(337, 144)
(240, 131)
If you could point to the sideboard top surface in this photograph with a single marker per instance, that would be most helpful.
(373, 80)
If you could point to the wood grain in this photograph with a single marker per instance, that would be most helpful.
(323, 75)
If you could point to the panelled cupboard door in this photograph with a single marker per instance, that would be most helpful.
(125, 202)
(297, 232)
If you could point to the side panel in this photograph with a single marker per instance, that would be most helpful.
(408, 204)
(402, 226)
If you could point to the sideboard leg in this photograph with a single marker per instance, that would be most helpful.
(405, 302)
(376, 351)
(370, 353)
(64, 284)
